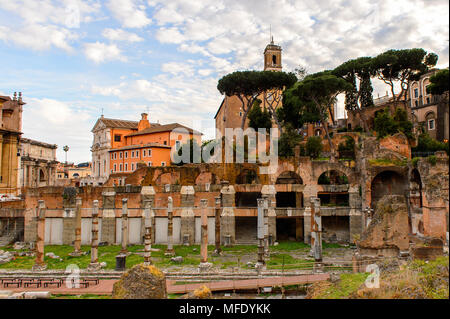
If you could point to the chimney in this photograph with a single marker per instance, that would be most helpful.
(143, 123)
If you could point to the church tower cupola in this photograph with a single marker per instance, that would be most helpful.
(272, 57)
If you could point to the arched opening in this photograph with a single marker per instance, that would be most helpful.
(387, 183)
(76, 175)
(415, 189)
(331, 197)
(41, 176)
(332, 177)
(289, 199)
(248, 176)
(289, 177)
(274, 59)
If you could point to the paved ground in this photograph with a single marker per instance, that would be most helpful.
(105, 286)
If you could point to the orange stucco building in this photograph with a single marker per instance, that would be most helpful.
(149, 145)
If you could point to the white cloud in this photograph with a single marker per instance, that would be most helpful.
(57, 122)
(177, 68)
(130, 13)
(39, 37)
(170, 35)
(121, 35)
(101, 52)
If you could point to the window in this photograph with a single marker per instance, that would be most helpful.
(126, 154)
(416, 93)
(165, 142)
(177, 145)
(163, 163)
(431, 124)
(112, 155)
(426, 89)
(114, 168)
(149, 163)
(120, 167)
(143, 153)
(274, 59)
(416, 103)
(132, 166)
(318, 132)
(117, 137)
(120, 155)
(149, 153)
(240, 114)
(428, 100)
(126, 167)
(132, 154)
(104, 165)
(137, 154)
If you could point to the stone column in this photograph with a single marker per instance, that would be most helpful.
(108, 218)
(227, 221)
(204, 245)
(316, 230)
(148, 232)
(169, 250)
(187, 215)
(218, 249)
(307, 195)
(266, 225)
(77, 244)
(270, 192)
(39, 263)
(260, 232)
(124, 249)
(148, 193)
(94, 265)
(356, 217)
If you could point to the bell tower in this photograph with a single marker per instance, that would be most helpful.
(272, 57)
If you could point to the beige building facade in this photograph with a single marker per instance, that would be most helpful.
(10, 132)
(38, 163)
(431, 112)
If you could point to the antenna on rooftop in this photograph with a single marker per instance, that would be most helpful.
(102, 112)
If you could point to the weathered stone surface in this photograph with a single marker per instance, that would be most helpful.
(141, 282)
(201, 293)
(177, 259)
(389, 226)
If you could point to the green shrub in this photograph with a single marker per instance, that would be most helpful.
(414, 161)
(385, 124)
(314, 146)
(432, 159)
(426, 143)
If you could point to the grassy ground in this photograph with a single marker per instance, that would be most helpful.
(416, 279)
(286, 253)
(341, 290)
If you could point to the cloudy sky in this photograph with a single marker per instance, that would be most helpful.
(74, 58)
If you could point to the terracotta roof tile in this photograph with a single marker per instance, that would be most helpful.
(163, 128)
(137, 146)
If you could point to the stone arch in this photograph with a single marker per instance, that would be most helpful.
(333, 177)
(387, 182)
(247, 176)
(289, 177)
(206, 178)
(167, 178)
